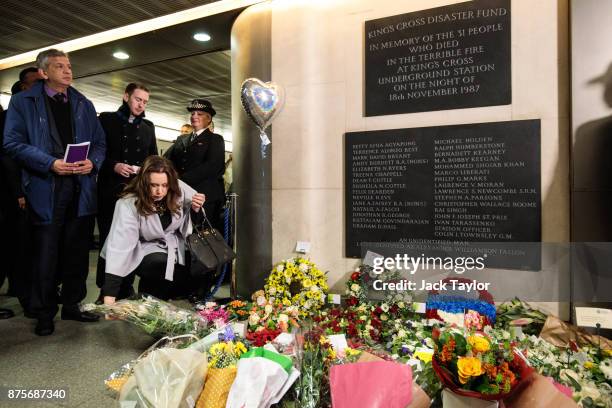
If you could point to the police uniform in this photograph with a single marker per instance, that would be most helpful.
(200, 162)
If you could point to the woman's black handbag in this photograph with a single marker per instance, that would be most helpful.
(208, 249)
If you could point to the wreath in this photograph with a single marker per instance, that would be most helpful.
(297, 282)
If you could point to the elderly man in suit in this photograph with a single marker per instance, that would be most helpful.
(61, 196)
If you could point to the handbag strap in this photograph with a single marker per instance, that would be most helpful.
(205, 220)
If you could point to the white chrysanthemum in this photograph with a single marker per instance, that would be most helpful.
(384, 307)
(606, 369)
(355, 288)
(280, 268)
(566, 374)
(253, 319)
(283, 318)
(303, 267)
(268, 309)
(401, 333)
(590, 390)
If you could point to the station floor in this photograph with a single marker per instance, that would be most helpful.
(78, 357)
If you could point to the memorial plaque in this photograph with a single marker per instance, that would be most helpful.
(462, 183)
(449, 57)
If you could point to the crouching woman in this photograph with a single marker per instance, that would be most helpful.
(147, 237)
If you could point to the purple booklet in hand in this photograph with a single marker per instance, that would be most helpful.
(76, 152)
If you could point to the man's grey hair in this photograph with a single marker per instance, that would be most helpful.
(42, 59)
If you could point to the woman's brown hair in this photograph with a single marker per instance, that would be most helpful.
(139, 186)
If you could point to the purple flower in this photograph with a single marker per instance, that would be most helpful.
(228, 333)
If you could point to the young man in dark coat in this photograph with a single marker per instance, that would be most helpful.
(130, 139)
(61, 195)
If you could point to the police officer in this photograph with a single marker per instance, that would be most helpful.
(130, 139)
(199, 158)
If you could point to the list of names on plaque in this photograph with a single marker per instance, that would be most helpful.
(379, 178)
(472, 196)
(450, 57)
(464, 183)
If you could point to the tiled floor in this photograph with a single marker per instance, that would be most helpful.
(77, 357)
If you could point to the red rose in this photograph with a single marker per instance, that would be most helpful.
(374, 335)
(352, 301)
(355, 276)
(574, 346)
(435, 333)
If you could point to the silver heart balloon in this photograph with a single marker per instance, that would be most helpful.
(262, 101)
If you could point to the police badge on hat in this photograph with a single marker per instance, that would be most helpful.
(201, 105)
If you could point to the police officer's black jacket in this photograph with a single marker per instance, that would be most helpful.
(200, 163)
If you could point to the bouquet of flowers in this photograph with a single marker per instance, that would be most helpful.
(361, 280)
(475, 365)
(265, 314)
(155, 317)
(356, 323)
(356, 288)
(587, 371)
(369, 322)
(439, 304)
(238, 309)
(225, 354)
(311, 388)
(297, 282)
(519, 313)
(223, 359)
(215, 314)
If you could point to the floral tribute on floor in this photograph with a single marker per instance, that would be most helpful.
(289, 346)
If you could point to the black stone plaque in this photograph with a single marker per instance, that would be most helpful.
(450, 57)
(462, 183)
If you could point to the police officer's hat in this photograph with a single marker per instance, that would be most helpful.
(201, 105)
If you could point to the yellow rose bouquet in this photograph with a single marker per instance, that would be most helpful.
(475, 365)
